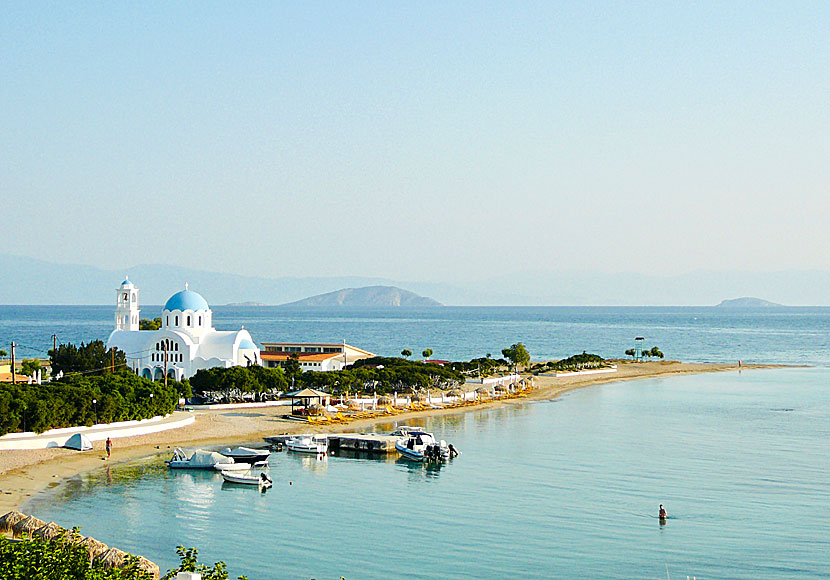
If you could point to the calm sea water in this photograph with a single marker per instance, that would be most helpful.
(564, 489)
(773, 335)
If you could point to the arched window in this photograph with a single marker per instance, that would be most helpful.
(200, 320)
(166, 321)
(188, 320)
(177, 320)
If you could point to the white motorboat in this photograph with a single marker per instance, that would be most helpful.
(308, 443)
(262, 479)
(199, 460)
(246, 455)
(419, 445)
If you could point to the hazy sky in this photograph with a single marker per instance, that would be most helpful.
(417, 140)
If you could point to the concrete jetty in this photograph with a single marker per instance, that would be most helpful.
(365, 442)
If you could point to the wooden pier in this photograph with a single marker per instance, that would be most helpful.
(365, 442)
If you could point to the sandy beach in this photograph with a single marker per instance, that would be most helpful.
(25, 473)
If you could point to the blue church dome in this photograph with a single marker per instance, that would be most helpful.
(186, 300)
(247, 344)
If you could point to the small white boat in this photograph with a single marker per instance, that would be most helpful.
(308, 443)
(232, 466)
(199, 460)
(246, 455)
(419, 445)
(262, 480)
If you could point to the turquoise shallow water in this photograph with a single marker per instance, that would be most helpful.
(562, 489)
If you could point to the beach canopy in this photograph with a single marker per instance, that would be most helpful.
(307, 395)
(150, 567)
(112, 558)
(8, 521)
(27, 526)
(79, 442)
(93, 547)
(50, 531)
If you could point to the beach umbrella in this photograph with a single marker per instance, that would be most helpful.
(9, 520)
(112, 558)
(93, 547)
(150, 567)
(385, 400)
(50, 531)
(27, 526)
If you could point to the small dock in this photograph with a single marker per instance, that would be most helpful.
(365, 442)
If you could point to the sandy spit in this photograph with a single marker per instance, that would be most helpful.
(25, 473)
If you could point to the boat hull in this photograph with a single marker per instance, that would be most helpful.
(242, 479)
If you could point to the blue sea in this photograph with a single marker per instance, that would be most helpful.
(705, 334)
(561, 489)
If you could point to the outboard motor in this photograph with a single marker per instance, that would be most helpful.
(453, 450)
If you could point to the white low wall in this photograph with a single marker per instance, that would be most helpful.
(222, 406)
(612, 369)
(58, 437)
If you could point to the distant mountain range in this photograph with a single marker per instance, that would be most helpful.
(31, 281)
(747, 302)
(367, 297)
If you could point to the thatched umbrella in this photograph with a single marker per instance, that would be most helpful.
(9, 520)
(93, 547)
(112, 558)
(385, 400)
(418, 397)
(150, 567)
(50, 531)
(27, 526)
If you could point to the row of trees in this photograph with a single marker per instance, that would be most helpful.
(654, 352)
(575, 362)
(406, 353)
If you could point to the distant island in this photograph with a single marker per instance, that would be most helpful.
(747, 302)
(367, 297)
(246, 304)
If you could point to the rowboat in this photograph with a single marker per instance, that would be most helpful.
(261, 480)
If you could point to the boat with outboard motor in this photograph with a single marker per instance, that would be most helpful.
(418, 445)
(246, 455)
(308, 443)
(262, 480)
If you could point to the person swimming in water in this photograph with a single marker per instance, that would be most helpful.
(662, 513)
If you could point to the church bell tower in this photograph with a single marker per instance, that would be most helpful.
(126, 309)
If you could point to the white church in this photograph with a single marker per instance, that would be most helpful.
(186, 341)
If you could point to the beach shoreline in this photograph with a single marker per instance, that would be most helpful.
(27, 473)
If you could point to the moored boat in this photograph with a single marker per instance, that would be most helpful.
(246, 455)
(262, 479)
(199, 460)
(308, 443)
(419, 445)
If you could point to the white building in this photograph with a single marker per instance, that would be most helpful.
(186, 341)
(312, 356)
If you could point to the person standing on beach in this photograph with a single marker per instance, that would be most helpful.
(109, 447)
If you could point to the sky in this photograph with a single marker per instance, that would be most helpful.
(432, 141)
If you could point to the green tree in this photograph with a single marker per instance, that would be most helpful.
(406, 353)
(427, 353)
(190, 563)
(517, 354)
(92, 358)
(292, 366)
(655, 352)
(147, 324)
(30, 367)
(631, 352)
(3, 354)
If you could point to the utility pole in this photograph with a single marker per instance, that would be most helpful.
(112, 360)
(14, 379)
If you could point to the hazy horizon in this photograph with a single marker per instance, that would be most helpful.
(430, 142)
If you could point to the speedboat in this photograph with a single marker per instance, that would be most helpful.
(246, 455)
(419, 445)
(307, 443)
(262, 480)
(199, 460)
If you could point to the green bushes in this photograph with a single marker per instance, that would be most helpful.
(36, 559)
(84, 400)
